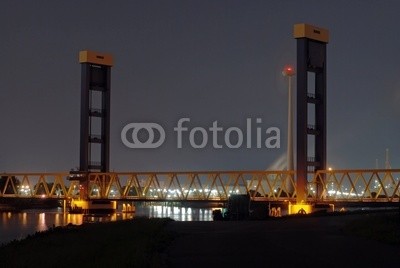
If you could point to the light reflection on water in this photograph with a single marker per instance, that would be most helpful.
(17, 225)
(177, 213)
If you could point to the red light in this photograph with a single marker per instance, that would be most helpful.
(288, 71)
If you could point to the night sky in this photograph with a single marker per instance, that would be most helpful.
(204, 60)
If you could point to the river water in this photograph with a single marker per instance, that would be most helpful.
(17, 225)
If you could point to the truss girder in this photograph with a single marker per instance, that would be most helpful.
(336, 185)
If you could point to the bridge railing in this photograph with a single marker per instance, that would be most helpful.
(370, 185)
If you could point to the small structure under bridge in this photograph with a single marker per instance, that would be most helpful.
(355, 187)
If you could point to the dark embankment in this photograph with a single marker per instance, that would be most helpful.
(134, 243)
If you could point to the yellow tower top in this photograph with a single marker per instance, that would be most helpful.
(312, 32)
(87, 56)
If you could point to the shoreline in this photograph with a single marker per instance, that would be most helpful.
(173, 243)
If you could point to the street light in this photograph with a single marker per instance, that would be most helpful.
(288, 71)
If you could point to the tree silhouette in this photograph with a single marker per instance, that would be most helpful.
(7, 188)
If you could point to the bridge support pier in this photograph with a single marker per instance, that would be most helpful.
(93, 206)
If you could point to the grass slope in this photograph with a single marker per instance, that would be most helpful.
(135, 243)
(383, 227)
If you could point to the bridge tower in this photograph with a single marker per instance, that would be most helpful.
(95, 111)
(95, 126)
(311, 104)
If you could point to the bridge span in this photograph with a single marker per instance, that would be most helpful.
(350, 186)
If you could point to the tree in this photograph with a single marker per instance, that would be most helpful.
(6, 184)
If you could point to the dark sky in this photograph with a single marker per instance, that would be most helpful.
(205, 60)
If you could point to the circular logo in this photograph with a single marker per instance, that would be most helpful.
(149, 143)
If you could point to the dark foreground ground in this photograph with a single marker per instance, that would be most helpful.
(329, 241)
(324, 241)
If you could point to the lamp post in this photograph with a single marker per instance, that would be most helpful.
(289, 73)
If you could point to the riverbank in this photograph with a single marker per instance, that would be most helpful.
(130, 243)
(19, 204)
(329, 241)
(311, 241)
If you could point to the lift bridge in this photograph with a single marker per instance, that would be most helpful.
(308, 182)
(332, 186)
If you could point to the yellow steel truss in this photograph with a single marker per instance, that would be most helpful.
(370, 185)
(325, 185)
